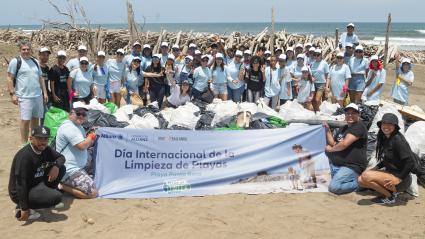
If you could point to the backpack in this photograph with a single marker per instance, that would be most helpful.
(18, 66)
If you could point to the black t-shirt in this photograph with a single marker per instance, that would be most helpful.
(44, 74)
(354, 156)
(397, 157)
(156, 80)
(59, 76)
(254, 80)
(29, 169)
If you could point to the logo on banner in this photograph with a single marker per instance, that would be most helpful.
(172, 138)
(176, 186)
(139, 138)
(111, 136)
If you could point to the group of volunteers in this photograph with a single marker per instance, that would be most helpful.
(171, 79)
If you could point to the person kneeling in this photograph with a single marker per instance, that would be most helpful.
(35, 174)
(395, 161)
(72, 142)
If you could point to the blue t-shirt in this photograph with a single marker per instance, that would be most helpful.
(146, 61)
(201, 75)
(306, 87)
(219, 76)
(379, 79)
(285, 78)
(81, 82)
(296, 71)
(319, 71)
(401, 91)
(338, 75)
(358, 66)
(116, 71)
(100, 75)
(129, 58)
(345, 39)
(233, 70)
(69, 135)
(72, 64)
(133, 80)
(27, 80)
(272, 84)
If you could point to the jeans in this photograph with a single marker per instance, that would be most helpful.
(157, 93)
(235, 94)
(344, 180)
(253, 96)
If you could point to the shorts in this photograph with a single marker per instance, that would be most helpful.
(357, 83)
(31, 108)
(220, 89)
(114, 86)
(100, 91)
(81, 181)
(319, 86)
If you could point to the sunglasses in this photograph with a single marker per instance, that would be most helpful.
(120, 54)
(358, 51)
(317, 54)
(84, 63)
(238, 56)
(340, 58)
(204, 60)
(81, 113)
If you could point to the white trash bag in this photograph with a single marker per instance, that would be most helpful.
(223, 110)
(148, 121)
(386, 108)
(328, 108)
(184, 116)
(293, 110)
(246, 106)
(415, 136)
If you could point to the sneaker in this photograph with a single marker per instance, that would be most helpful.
(34, 215)
(58, 206)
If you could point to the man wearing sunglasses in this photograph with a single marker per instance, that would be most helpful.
(72, 141)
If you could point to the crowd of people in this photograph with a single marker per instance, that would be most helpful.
(171, 79)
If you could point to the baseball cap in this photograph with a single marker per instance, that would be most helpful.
(136, 58)
(137, 44)
(350, 24)
(157, 56)
(164, 44)
(189, 57)
(349, 44)
(101, 53)
(82, 48)
(300, 56)
(359, 48)
(406, 60)
(185, 82)
(318, 50)
(61, 53)
(198, 52)
(308, 44)
(171, 57)
(351, 106)
(121, 51)
(374, 58)
(389, 118)
(192, 45)
(282, 57)
(219, 55)
(175, 46)
(312, 49)
(238, 53)
(290, 49)
(340, 54)
(205, 56)
(146, 46)
(44, 49)
(268, 52)
(79, 105)
(299, 45)
(305, 68)
(41, 132)
(84, 59)
(247, 52)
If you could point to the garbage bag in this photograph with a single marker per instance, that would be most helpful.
(53, 118)
(328, 108)
(226, 122)
(263, 108)
(147, 121)
(387, 108)
(96, 118)
(223, 110)
(293, 110)
(367, 114)
(95, 105)
(371, 149)
(124, 113)
(111, 107)
(415, 136)
(185, 116)
(163, 123)
(246, 106)
(204, 123)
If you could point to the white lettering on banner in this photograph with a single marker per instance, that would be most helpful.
(130, 165)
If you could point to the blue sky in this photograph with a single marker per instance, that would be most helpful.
(18, 12)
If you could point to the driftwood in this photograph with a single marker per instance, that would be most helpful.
(109, 40)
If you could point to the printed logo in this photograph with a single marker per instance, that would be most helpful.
(176, 186)
(112, 136)
(139, 138)
(172, 139)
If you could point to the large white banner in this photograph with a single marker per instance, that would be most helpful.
(136, 163)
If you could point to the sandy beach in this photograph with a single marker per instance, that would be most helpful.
(309, 215)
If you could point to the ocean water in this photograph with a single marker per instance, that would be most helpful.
(405, 35)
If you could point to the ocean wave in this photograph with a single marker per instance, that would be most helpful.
(401, 41)
(420, 31)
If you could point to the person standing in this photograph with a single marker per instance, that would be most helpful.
(339, 76)
(296, 74)
(272, 84)
(43, 60)
(116, 75)
(404, 80)
(306, 89)
(348, 53)
(26, 89)
(100, 78)
(135, 51)
(254, 80)
(285, 80)
(219, 77)
(58, 76)
(319, 71)
(235, 82)
(35, 174)
(80, 82)
(164, 53)
(74, 63)
(347, 152)
(375, 80)
(185, 71)
(348, 37)
(359, 67)
(155, 80)
(201, 78)
(146, 56)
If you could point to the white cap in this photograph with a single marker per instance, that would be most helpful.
(268, 52)
(374, 58)
(164, 44)
(121, 51)
(189, 57)
(238, 53)
(406, 60)
(349, 44)
(205, 56)
(101, 53)
(290, 49)
(300, 56)
(137, 43)
(305, 68)
(318, 50)
(171, 56)
(82, 47)
(312, 49)
(248, 52)
(219, 55)
(84, 59)
(350, 24)
(136, 58)
(282, 57)
(359, 47)
(340, 54)
(351, 106)
(79, 104)
(308, 44)
(268, 58)
(175, 46)
(299, 45)
(157, 56)
(61, 53)
(198, 52)
(44, 49)
(193, 45)
(146, 46)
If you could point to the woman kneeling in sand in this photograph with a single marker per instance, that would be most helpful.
(395, 161)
